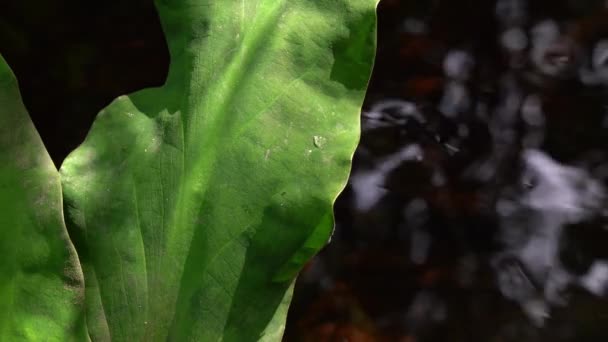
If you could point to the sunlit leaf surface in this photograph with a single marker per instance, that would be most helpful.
(194, 205)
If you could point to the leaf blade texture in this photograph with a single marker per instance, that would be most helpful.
(194, 205)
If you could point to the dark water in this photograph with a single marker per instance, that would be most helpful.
(476, 207)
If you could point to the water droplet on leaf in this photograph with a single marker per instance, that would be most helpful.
(318, 141)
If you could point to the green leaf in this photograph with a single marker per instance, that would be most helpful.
(193, 206)
(41, 286)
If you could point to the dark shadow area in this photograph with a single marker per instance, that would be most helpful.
(72, 58)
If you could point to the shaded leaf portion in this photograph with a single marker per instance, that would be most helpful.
(41, 289)
(194, 205)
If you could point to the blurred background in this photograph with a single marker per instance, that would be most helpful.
(476, 208)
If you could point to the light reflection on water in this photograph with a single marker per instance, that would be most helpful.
(476, 209)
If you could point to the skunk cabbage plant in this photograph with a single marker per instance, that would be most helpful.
(189, 209)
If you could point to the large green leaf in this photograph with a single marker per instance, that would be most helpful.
(41, 289)
(194, 205)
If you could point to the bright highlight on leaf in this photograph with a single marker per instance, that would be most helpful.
(194, 205)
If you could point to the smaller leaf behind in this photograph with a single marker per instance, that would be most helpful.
(41, 286)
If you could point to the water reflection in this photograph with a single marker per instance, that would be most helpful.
(476, 209)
